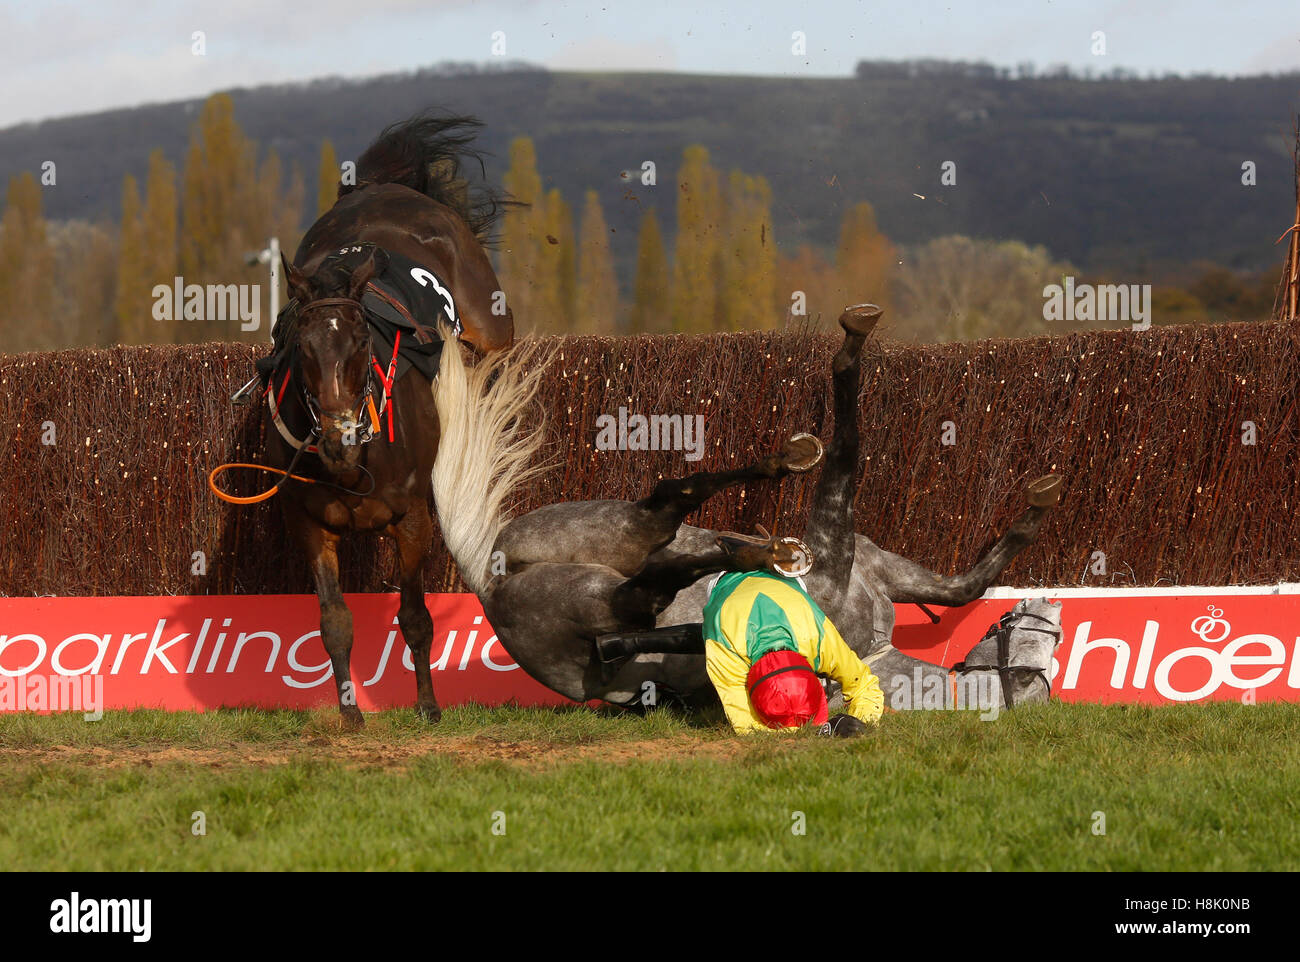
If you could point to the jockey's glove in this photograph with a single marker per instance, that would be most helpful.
(844, 726)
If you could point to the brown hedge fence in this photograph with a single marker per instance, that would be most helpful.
(1146, 428)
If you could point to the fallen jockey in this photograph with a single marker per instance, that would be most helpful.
(766, 641)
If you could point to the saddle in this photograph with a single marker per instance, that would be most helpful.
(403, 296)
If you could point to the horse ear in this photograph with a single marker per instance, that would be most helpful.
(362, 276)
(296, 280)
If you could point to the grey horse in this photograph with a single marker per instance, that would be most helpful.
(603, 599)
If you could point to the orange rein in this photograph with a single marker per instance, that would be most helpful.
(387, 381)
(253, 499)
(271, 492)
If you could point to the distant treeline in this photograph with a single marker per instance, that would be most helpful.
(1139, 178)
(1025, 70)
(726, 269)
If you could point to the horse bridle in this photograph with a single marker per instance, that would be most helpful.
(312, 406)
(365, 432)
(1002, 631)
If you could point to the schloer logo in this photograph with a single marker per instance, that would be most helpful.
(1202, 658)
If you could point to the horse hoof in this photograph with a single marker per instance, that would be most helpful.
(801, 453)
(861, 318)
(430, 713)
(791, 557)
(746, 551)
(786, 556)
(1045, 491)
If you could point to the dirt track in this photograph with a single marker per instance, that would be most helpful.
(363, 753)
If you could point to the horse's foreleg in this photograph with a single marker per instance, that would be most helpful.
(908, 582)
(638, 601)
(321, 546)
(830, 531)
(672, 499)
(414, 534)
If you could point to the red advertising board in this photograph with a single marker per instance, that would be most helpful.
(1145, 645)
(224, 650)
(1141, 645)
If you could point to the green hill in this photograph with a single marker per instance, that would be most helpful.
(1122, 175)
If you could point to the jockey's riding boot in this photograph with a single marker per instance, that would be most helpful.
(616, 647)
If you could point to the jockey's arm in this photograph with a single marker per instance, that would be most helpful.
(862, 695)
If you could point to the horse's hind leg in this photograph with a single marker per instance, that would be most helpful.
(622, 535)
(908, 582)
(830, 529)
(321, 547)
(414, 535)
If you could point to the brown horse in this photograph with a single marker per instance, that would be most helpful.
(409, 200)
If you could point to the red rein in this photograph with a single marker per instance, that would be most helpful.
(387, 380)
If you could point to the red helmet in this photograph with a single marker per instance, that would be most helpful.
(785, 691)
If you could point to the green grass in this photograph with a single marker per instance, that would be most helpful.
(1210, 787)
(155, 728)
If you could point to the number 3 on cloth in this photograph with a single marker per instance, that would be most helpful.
(426, 279)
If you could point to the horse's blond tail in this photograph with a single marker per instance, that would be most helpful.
(487, 449)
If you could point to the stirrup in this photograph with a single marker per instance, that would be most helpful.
(606, 642)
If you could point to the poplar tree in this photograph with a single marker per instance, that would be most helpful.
(522, 233)
(281, 214)
(132, 308)
(866, 259)
(695, 263)
(221, 209)
(807, 289)
(26, 263)
(651, 295)
(556, 269)
(157, 235)
(748, 256)
(327, 186)
(83, 299)
(597, 298)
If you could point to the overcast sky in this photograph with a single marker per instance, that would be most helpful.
(82, 56)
